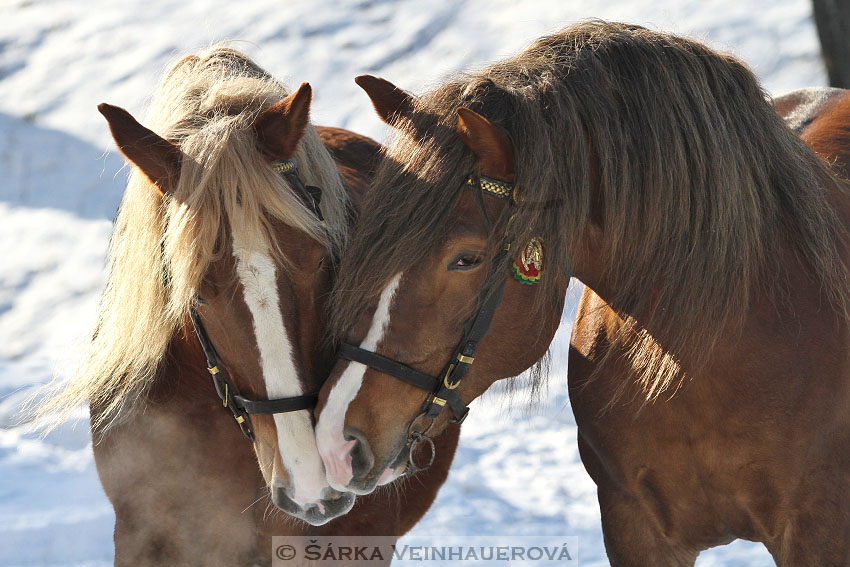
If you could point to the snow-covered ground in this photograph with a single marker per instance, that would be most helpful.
(61, 180)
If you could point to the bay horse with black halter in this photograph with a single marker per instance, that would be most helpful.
(710, 359)
(219, 269)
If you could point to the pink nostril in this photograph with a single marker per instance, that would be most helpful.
(339, 464)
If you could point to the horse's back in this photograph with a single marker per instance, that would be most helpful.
(356, 158)
(800, 107)
(821, 117)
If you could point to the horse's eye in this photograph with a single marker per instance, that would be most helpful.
(465, 261)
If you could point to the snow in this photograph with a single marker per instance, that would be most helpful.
(518, 469)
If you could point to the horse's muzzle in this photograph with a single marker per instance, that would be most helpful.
(318, 513)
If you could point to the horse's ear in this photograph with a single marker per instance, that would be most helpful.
(489, 142)
(158, 158)
(390, 102)
(280, 127)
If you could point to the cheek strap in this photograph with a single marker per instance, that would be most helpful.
(442, 389)
(240, 406)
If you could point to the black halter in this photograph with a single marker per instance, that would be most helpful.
(289, 168)
(239, 405)
(442, 389)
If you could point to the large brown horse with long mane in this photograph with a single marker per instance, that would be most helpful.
(220, 266)
(710, 360)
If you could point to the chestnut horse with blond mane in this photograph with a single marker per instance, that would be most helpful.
(219, 270)
(710, 358)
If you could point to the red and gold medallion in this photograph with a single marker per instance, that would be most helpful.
(528, 267)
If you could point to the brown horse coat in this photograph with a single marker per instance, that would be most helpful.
(709, 368)
(208, 225)
(756, 445)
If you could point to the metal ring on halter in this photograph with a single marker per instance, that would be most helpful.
(415, 439)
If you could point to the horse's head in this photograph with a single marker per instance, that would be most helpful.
(437, 292)
(259, 298)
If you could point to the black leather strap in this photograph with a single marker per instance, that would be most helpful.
(240, 406)
(443, 388)
(311, 193)
(474, 330)
(223, 386)
(404, 373)
(389, 366)
(280, 405)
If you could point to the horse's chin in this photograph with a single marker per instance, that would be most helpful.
(317, 513)
(389, 475)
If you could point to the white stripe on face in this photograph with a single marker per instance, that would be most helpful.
(333, 447)
(295, 436)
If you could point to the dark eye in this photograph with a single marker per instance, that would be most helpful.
(465, 261)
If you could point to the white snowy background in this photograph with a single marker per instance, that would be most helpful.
(61, 179)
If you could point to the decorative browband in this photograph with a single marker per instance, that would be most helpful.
(494, 187)
(287, 166)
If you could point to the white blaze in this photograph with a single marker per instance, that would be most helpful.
(329, 430)
(295, 436)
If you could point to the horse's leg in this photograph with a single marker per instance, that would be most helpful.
(632, 537)
(818, 531)
(633, 534)
(807, 541)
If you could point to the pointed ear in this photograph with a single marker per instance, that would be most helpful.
(158, 158)
(280, 127)
(390, 102)
(489, 142)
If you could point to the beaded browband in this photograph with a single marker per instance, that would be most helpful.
(495, 187)
(287, 166)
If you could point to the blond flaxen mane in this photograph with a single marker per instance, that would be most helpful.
(698, 185)
(206, 104)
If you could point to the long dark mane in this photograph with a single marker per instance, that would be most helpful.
(699, 187)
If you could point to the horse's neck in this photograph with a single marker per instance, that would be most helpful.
(785, 320)
(178, 470)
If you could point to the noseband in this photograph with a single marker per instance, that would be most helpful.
(442, 389)
(239, 405)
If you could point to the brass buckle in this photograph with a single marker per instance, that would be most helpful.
(446, 383)
(461, 358)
